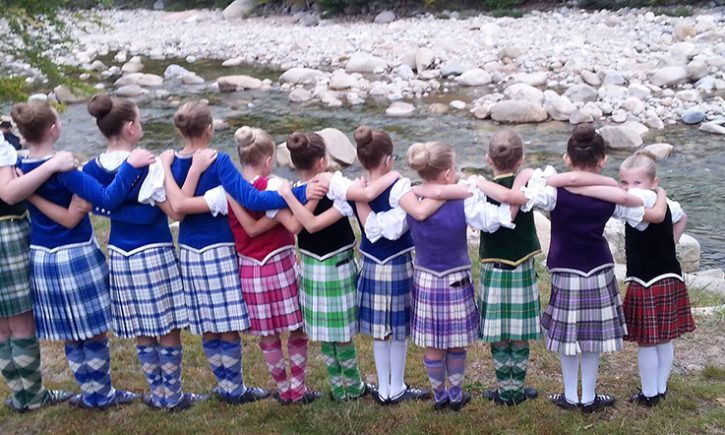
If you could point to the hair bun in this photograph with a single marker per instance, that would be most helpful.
(584, 133)
(297, 141)
(418, 156)
(244, 136)
(22, 113)
(363, 136)
(100, 105)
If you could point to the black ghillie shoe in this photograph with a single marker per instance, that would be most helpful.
(187, 401)
(465, 398)
(531, 393)
(642, 400)
(439, 406)
(410, 393)
(252, 394)
(309, 397)
(559, 400)
(600, 402)
(120, 397)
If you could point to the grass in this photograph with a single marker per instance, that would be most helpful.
(695, 402)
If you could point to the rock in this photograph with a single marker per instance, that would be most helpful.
(688, 252)
(614, 233)
(633, 105)
(452, 69)
(120, 57)
(712, 127)
(590, 78)
(192, 79)
(619, 116)
(400, 108)
(660, 150)
(97, 65)
(558, 108)
(638, 128)
(219, 124)
(438, 108)
(474, 77)
(653, 121)
(340, 81)
(190, 59)
(132, 67)
(235, 61)
(543, 231)
(174, 71)
(300, 76)
(309, 20)
(483, 111)
(510, 53)
(423, 59)
(239, 9)
(41, 98)
(522, 91)
(689, 95)
(696, 70)
(534, 79)
(409, 58)
(612, 92)
(639, 91)
(692, 115)
(238, 83)
(580, 117)
(592, 109)
(457, 104)
(141, 79)
(300, 95)
(706, 84)
(620, 137)
(380, 89)
(581, 93)
(66, 96)
(338, 146)
(404, 71)
(669, 76)
(354, 99)
(365, 63)
(130, 91)
(682, 30)
(283, 156)
(385, 17)
(612, 77)
(518, 111)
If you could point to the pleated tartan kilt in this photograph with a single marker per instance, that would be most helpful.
(272, 293)
(71, 298)
(444, 310)
(584, 314)
(328, 297)
(384, 293)
(147, 295)
(658, 313)
(214, 301)
(15, 296)
(509, 303)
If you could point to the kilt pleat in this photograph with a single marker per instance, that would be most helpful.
(584, 314)
(328, 297)
(384, 293)
(147, 295)
(658, 313)
(272, 294)
(509, 303)
(214, 300)
(71, 298)
(444, 310)
(15, 295)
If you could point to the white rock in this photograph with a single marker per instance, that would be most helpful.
(683, 29)
(120, 57)
(141, 79)
(192, 79)
(41, 98)
(341, 80)
(558, 107)
(534, 79)
(543, 231)
(66, 96)
(238, 83)
(404, 71)
(581, 93)
(612, 77)
(400, 108)
(510, 53)
(474, 77)
(660, 150)
(619, 116)
(639, 91)
(300, 95)
(522, 91)
(688, 252)
(354, 99)
(457, 104)
(174, 71)
(130, 91)
(132, 67)
(483, 111)
(97, 65)
(380, 89)
(518, 111)
(190, 59)
(592, 110)
(696, 70)
(385, 17)
(620, 137)
(590, 78)
(669, 76)
(300, 76)
(633, 105)
(654, 121)
(239, 9)
(635, 126)
(452, 69)
(338, 145)
(580, 117)
(689, 95)
(234, 61)
(712, 127)
(365, 63)
(438, 108)
(283, 156)
(423, 59)
(613, 92)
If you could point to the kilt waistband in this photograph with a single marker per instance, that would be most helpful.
(14, 217)
(502, 266)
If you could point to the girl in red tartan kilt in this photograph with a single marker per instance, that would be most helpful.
(657, 306)
(268, 271)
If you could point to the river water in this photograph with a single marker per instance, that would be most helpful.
(694, 174)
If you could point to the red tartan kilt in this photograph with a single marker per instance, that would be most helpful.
(658, 313)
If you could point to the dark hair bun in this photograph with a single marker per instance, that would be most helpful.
(297, 141)
(22, 113)
(584, 133)
(100, 105)
(363, 136)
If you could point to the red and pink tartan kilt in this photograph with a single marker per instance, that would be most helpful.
(271, 293)
(658, 313)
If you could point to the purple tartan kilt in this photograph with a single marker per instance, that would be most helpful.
(444, 310)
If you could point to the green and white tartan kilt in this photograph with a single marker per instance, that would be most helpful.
(327, 298)
(15, 295)
(509, 303)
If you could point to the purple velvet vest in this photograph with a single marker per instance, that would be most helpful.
(440, 241)
(577, 228)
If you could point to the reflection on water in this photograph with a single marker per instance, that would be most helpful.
(693, 175)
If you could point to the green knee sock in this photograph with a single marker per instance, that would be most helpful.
(519, 366)
(347, 356)
(501, 354)
(334, 371)
(9, 373)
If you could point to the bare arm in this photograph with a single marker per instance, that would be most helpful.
(15, 188)
(441, 191)
(311, 222)
(180, 203)
(610, 194)
(68, 217)
(374, 189)
(419, 210)
(679, 228)
(363, 211)
(580, 178)
(253, 227)
(169, 211)
(658, 212)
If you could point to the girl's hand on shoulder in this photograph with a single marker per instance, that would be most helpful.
(323, 178)
(285, 189)
(167, 158)
(80, 204)
(140, 158)
(203, 159)
(63, 161)
(360, 182)
(315, 191)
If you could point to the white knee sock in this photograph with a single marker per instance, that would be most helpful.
(381, 352)
(665, 356)
(398, 354)
(648, 364)
(590, 369)
(570, 375)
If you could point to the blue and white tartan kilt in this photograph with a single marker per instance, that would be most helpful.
(214, 300)
(384, 293)
(71, 300)
(147, 295)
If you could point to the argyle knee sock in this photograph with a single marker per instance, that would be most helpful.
(76, 357)
(500, 353)
(212, 350)
(347, 356)
(232, 360)
(334, 371)
(148, 356)
(297, 350)
(519, 364)
(436, 369)
(170, 361)
(7, 369)
(273, 356)
(98, 360)
(26, 358)
(456, 368)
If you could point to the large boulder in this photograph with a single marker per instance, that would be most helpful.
(581, 93)
(559, 108)
(669, 76)
(66, 96)
(400, 108)
(130, 91)
(300, 95)
(424, 58)
(175, 71)
(340, 80)
(538, 78)
(518, 111)
(712, 127)
(660, 150)
(543, 231)
(339, 147)
(474, 77)
(365, 63)
(621, 137)
(522, 91)
(300, 76)
(239, 9)
(614, 233)
(238, 83)
(688, 252)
